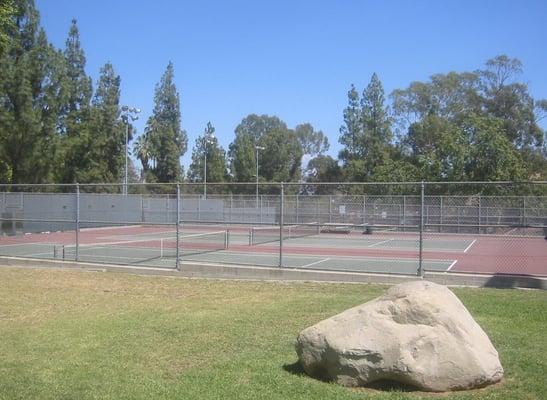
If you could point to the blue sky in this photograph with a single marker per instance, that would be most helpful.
(294, 59)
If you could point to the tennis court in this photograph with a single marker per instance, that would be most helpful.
(382, 252)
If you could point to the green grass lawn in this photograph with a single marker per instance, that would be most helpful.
(93, 335)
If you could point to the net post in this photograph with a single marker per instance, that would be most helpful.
(77, 256)
(161, 247)
(177, 227)
(420, 262)
(281, 212)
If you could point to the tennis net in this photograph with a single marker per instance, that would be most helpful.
(143, 250)
(269, 234)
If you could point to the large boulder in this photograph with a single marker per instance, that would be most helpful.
(418, 334)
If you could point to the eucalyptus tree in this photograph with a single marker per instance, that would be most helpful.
(281, 157)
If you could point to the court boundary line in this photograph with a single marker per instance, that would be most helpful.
(285, 255)
(141, 234)
(451, 265)
(379, 243)
(395, 249)
(314, 263)
(468, 247)
(29, 244)
(103, 228)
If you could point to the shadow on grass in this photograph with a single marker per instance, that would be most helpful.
(294, 368)
(391, 386)
(383, 385)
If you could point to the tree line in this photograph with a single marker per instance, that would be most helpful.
(56, 126)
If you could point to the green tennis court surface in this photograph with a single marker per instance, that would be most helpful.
(159, 250)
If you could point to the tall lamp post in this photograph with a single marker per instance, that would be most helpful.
(257, 148)
(208, 139)
(127, 114)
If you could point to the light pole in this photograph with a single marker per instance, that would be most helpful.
(257, 148)
(128, 113)
(208, 137)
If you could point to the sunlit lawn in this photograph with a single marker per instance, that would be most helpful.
(86, 335)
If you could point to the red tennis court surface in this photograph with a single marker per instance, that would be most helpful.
(460, 253)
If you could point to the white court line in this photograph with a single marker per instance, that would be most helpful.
(337, 257)
(27, 244)
(382, 242)
(104, 228)
(151, 234)
(451, 265)
(468, 247)
(510, 232)
(314, 263)
(49, 253)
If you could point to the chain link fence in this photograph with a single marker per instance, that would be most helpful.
(396, 228)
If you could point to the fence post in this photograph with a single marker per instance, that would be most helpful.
(330, 209)
(167, 208)
(404, 213)
(142, 208)
(296, 210)
(524, 210)
(261, 208)
(281, 211)
(420, 262)
(441, 215)
(177, 259)
(317, 210)
(480, 214)
(364, 211)
(77, 257)
(231, 205)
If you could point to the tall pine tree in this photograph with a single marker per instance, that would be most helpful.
(30, 98)
(107, 131)
(7, 16)
(350, 131)
(167, 140)
(76, 158)
(366, 133)
(376, 147)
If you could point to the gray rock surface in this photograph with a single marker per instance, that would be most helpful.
(417, 334)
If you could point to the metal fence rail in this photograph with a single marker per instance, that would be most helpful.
(364, 226)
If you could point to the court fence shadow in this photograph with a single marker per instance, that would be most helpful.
(508, 281)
